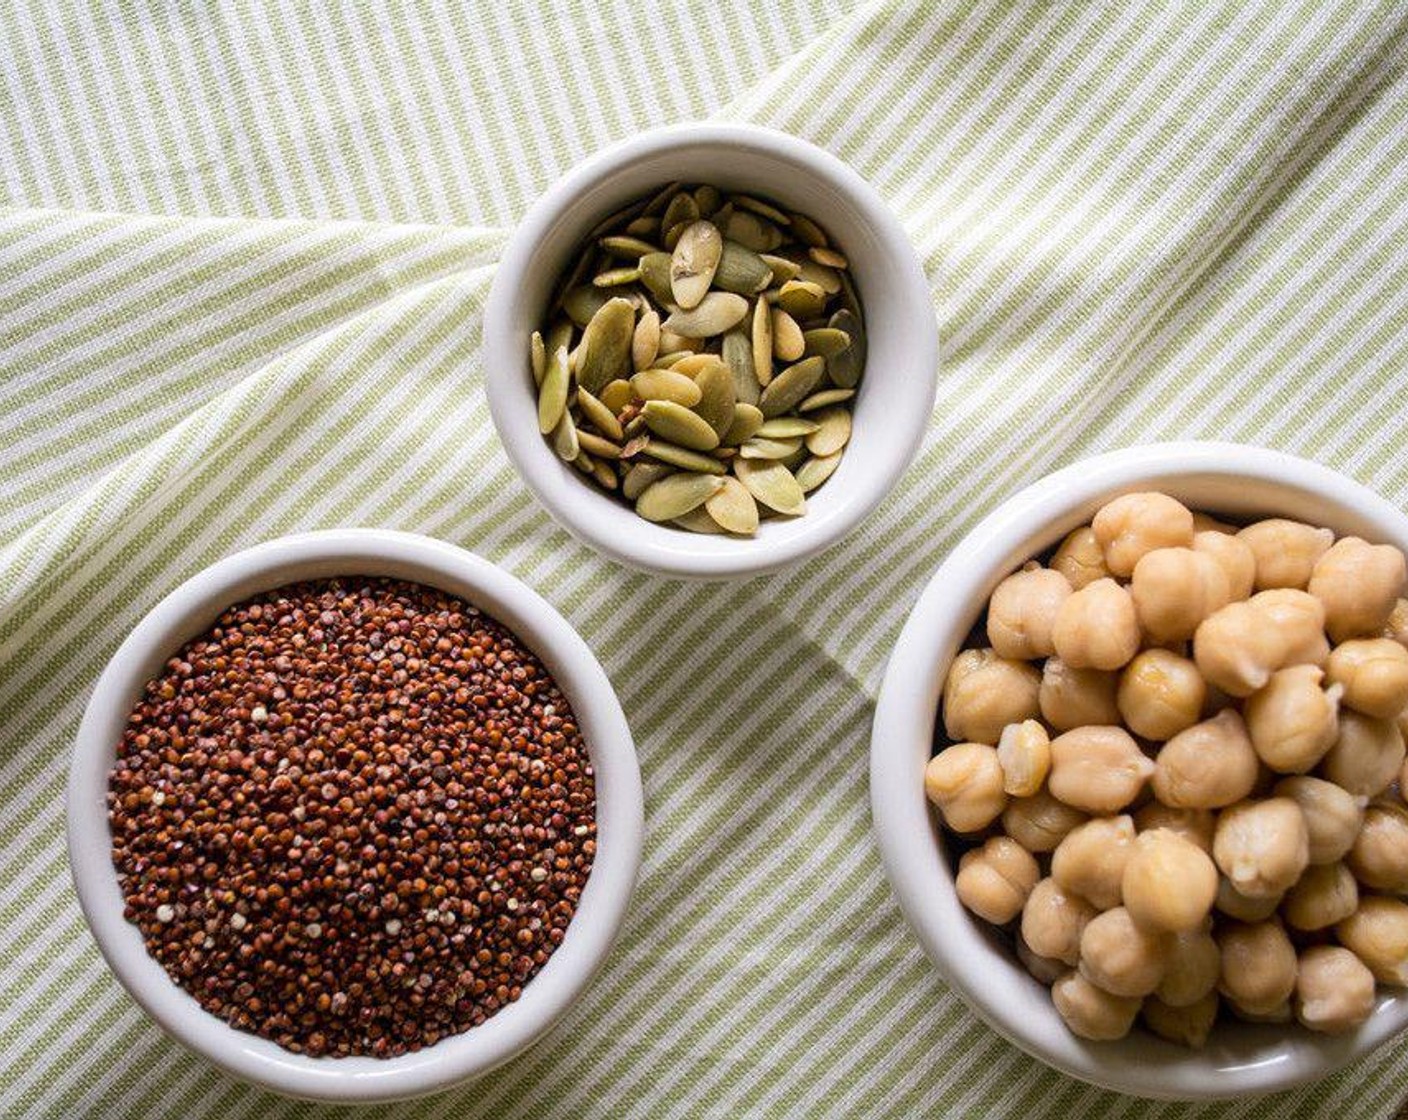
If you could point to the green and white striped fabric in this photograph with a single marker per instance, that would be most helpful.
(242, 263)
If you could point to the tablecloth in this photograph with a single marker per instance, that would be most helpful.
(242, 263)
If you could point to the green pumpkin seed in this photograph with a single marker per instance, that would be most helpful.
(698, 521)
(565, 438)
(645, 343)
(738, 356)
(596, 445)
(788, 341)
(552, 394)
(643, 227)
(733, 508)
(614, 220)
(827, 279)
(677, 424)
(640, 475)
(681, 211)
(714, 314)
(772, 484)
(595, 413)
(682, 457)
(666, 361)
(717, 397)
(817, 470)
(660, 200)
(584, 462)
(539, 356)
(783, 270)
(741, 270)
(670, 342)
(844, 368)
(559, 336)
(801, 299)
(747, 419)
(787, 427)
(808, 232)
(758, 448)
(655, 275)
(691, 365)
(583, 302)
(762, 342)
(626, 247)
(825, 341)
(605, 352)
(791, 385)
(675, 495)
(824, 398)
(693, 263)
(833, 432)
(752, 232)
(616, 396)
(616, 277)
(795, 460)
(665, 385)
(758, 206)
(708, 199)
(828, 257)
(605, 476)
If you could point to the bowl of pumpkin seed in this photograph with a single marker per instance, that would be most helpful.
(710, 350)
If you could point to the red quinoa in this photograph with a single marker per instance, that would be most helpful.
(354, 817)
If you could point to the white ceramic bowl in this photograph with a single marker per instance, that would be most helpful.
(186, 612)
(896, 393)
(1239, 481)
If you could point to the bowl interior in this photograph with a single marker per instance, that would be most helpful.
(186, 613)
(895, 395)
(1237, 482)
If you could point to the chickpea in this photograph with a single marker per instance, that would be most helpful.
(1299, 620)
(1121, 957)
(1208, 766)
(1194, 825)
(1174, 589)
(1291, 721)
(1374, 675)
(1091, 1012)
(1080, 558)
(1135, 524)
(1053, 921)
(1379, 858)
(1207, 523)
(1024, 752)
(1039, 822)
(1262, 846)
(1334, 991)
(1359, 584)
(994, 881)
(1090, 861)
(1377, 933)
(965, 782)
(1160, 694)
(985, 692)
(1397, 626)
(1097, 627)
(1188, 1025)
(1169, 883)
(1234, 557)
(1234, 904)
(1367, 755)
(1237, 650)
(1097, 769)
(1333, 815)
(1022, 612)
(1258, 966)
(1194, 964)
(1072, 698)
(1043, 969)
(1325, 894)
(1285, 551)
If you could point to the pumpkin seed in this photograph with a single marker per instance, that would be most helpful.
(717, 397)
(616, 396)
(824, 398)
(595, 413)
(772, 484)
(655, 275)
(833, 431)
(692, 364)
(708, 199)
(643, 227)
(747, 419)
(801, 299)
(645, 343)
(698, 521)
(677, 424)
(788, 341)
(565, 438)
(671, 342)
(787, 427)
(539, 356)
(658, 203)
(626, 247)
(825, 341)
(682, 457)
(616, 277)
(791, 385)
(641, 475)
(675, 495)
(559, 335)
(665, 361)
(584, 462)
(693, 263)
(714, 314)
(764, 209)
(596, 445)
(604, 475)
(828, 257)
(757, 448)
(783, 270)
(844, 367)
(808, 232)
(666, 385)
(583, 302)
(681, 211)
(752, 232)
(613, 220)
(738, 356)
(762, 342)
(605, 352)
(817, 470)
(733, 508)
(741, 270)
(827, 279)
(552, 394)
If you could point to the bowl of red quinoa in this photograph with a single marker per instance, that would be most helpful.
(354, 814)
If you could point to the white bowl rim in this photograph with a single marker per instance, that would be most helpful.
(1001, 992)
(605, 899)
(661, 549)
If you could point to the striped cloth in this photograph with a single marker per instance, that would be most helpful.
(242, 263)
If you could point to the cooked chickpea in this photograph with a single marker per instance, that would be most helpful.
(1379, 857)
(1091, 1012)
(1359, 584)
(1237, 905)
(1169, 883)
(1236, 650)
(1292, 721)
(1262, 846)
(1022, 612)
(1053, 920)
(1024, 752)
(1334, 991)
(1298, 618)
(1333, 815)
(1122, 957)
(1207, 766)
(1160, 694)
(1039, 822)
(1188, 1025)
(1096, 627)
(1191, 972)
(1374, 675)
(1090, 861)
(1325, 894)
(985, 692)
(965, 782)
(1397, 626)
(1285, 551)
(1072, 698)
(1194, 825)
(1233, 556)
(1080, 558)
(1367, 755)
(1258, 966)
(1174, 589)
(994, 881)
(1044, 970)
(1134, 525)
(1377, 933)
(1097, 769)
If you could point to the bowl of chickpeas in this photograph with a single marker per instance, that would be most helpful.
(1138, 770)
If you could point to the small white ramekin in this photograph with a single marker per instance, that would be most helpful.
(1223, 478)
(896, 394)
(186, 612)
